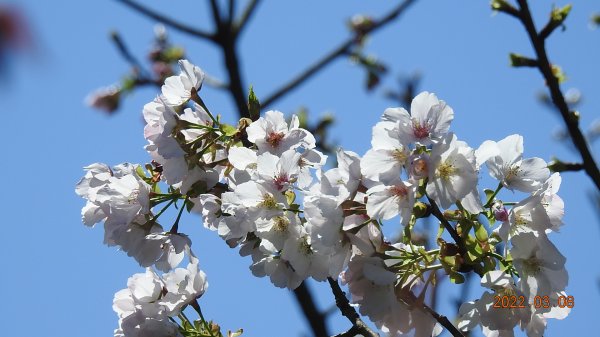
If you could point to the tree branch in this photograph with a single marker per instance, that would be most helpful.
(412, 300)
(246, 15)
(435, 210)
(125, 53)
(358, 326)
(315, 318)
(231, 11)
(168, 21)
(444, 321)
(571, 119)
(341, 50)
(559, 166)
(216, 12)
(232, 63)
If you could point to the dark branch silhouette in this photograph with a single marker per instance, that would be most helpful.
(358, 326)
(571, 119)
(168, 21)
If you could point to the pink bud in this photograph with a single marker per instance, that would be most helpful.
(500, 212)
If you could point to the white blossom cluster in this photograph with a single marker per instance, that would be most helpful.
(269, 194)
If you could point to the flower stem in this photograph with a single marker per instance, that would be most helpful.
(491, 199)
(176, 224)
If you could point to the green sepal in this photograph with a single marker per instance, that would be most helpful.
(480, 232)
(488, 193)
(456, 278)
(173, 54)
(290, 196)
(228, 130)
(558, 15)
(253, 105)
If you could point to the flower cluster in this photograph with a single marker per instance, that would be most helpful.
(263, 187)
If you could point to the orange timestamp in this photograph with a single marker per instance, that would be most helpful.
(517, 302)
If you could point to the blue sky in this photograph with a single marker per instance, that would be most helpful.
(61, 279)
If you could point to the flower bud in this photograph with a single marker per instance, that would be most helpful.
(500, 212)
(418, 166)
(106, 99)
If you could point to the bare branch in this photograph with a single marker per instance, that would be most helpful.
(435, 210)
(216, 12)
(341, 50)
(315, 318)
(125, 53)
(246, 15)
(571, 119)
(358, 326)
(444, 321)
(560, 166)
(168, 21)
(412, 300)
(231, 11)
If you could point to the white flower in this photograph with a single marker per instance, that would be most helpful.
(452, 172)
(161, 121)
(539, 263)
(272, 134)
(529, 215)
(125, 195)
(309, 158)
(209, 206)
(235, 222)
(243, 158)
(183, 286)
(324, 221)
(342, 181)
(387, 201)
(495, 321)
(146, 287)
(553, 204)
(279, 172)
(173, 248)
(266, 261)
(305, 262)
(385, 160)
(373, 288)
(95, 178)
(279, 228)
(429, 119)
(178, 89)
(261, 199)
(505, 163)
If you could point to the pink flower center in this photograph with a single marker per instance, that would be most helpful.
(421, 131)
(274, 138)
(281, 180)
(399, 191)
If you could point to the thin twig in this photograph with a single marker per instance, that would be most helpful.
(246, 15)
(435, 210)
(341, 50)
(231, 11)
(444, 321)
(216, 12)
(168, 21)
(559, 166)
(126, 54)
(412, 300)
(348, 311)
(571, 120)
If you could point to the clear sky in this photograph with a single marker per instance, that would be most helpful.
(60, 279)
